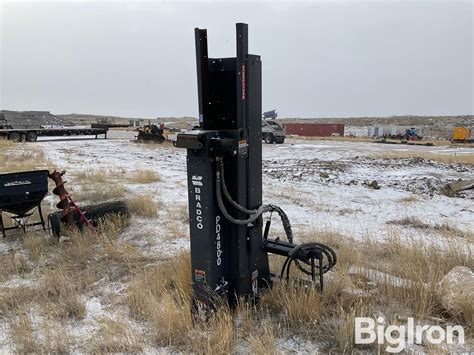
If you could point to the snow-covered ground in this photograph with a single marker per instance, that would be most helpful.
(320, 184)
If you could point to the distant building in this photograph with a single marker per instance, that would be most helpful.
(136, 122)
(314, 129)
(29, 119)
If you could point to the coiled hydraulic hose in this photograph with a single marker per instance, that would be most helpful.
(254, 214)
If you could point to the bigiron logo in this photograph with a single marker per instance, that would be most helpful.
(197, 183)
(369, 331)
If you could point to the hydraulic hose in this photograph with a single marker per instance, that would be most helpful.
(220, 184)
(254, 214)
(240, 208)
(253, 217)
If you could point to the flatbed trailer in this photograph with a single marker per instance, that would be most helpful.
(32, 134)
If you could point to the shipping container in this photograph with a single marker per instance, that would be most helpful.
(461, 133)
(314, 129)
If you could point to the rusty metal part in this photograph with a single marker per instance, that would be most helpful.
(95, 213)
(66, 203)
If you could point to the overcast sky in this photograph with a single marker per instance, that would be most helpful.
(320, 59)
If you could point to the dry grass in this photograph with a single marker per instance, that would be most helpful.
(99, 193)
(22, 335)
(446, 229)
(97, 185)
(144, 177)
(452, 158)
(26, 341)
(289, 300)
(5, 143)
(13, 159)
(13, 299)
(396, 278)
(263, 342)
(409, 199)
(11, 264)
(98, 176)
(144, 206)
(59, 294)
(115, 337)
(35, 244)
(159, 296)
(156, 280)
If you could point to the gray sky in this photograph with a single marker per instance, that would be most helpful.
(320, 59)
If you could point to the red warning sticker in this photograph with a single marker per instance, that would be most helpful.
(199, 275)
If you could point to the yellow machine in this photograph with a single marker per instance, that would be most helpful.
(461, 134)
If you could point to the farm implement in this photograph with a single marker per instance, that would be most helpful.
(229, 246)
(21, 195)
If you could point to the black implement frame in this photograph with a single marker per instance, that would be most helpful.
(229, 254)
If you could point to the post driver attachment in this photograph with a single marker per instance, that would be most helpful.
(229, 250)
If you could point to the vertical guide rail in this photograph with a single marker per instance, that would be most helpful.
(242, 52)
(201, 65)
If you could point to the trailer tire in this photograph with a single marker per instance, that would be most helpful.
(31, 136)
(269, 139)
(15, 136)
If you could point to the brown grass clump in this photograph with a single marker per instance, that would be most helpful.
(92, 176)
(98, 176)
(13, 159)
(299, 306)
(5, 143)
(59, 293)
(161, 296)
(446, 229)
(409, 199)
(212, 337)
(152, 282)
(23, 337)
(144, 206)
(144, 177)
(170, 318)
(115, 337)
(99, 193)
(35, 245)
(263, 342)
(341, 323)
(413, 222)
(12, 299)
(13, 263)
(94, 254)
(26, 341)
